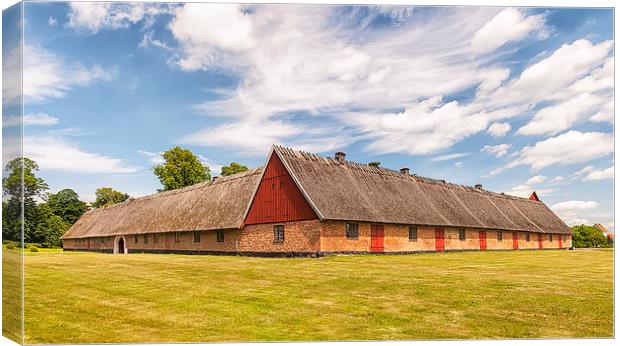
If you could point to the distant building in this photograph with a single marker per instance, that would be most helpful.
(309, 205)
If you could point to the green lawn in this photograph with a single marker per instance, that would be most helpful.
(95, 298)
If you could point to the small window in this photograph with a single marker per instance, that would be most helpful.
(461, 234)
(146, 239)
(220, 236)
(500, 236)
(550, 237)
(135, 238)
(278, 233)
(351, 231)
(155, 238)
(101, 240)
(413, 233)
(527, 236)
(177, 237)
(196, 236)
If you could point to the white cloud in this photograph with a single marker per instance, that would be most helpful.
(148, 40)
(293, 59)
(570, 147)
(91, 17)
(386, 86)
(51, 21)
(458, 164)
(507, 26)
(57, 154)
(36, 119)
(593, 174)
(561, 116)
(537, 179)
(448, 157)
(497, 150)
(47, 76)
(575, 212)
(499, 129)
(154, 158)
(214, 167)
(206, 30)
(605, 113)
(251, 138)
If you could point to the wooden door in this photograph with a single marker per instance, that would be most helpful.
(515, 240)
(440, 244)
(376, 238)
(540, 241)
(483, 240)
(560, 240)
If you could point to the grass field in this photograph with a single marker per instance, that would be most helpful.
(95, 298)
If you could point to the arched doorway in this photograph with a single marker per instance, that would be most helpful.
(119, 245)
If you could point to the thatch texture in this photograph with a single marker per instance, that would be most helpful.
(351, 191)
(218, 204)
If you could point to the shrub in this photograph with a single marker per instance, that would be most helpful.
(34, 249)
(10, 246)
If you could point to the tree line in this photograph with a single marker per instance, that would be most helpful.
(47, 216)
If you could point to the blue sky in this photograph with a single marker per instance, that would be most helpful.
(513, 98)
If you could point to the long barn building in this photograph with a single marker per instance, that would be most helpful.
(307, 205)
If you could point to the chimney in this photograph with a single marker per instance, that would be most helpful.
(340, 156)
(478, 186)
(404, 170)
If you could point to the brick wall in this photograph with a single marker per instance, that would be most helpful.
(299, 236)
(312, 236)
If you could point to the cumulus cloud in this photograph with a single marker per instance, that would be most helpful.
(537, 179)
(570, 147)
(507, 26)
(499, 129)
(208, 30)
(561, 116)
(91, 17)
(497, 150)
(589, 173)
(575, 212)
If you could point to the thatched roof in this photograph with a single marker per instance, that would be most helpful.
(352, 191)
(336, 191)
(218, 204)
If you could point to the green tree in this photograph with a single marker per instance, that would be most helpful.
(588, 236)
(105, 196)
(181, 168)
(50, 229)
(66, 204)
(374, 164)
(12, 184)
(233, 168)
(14, 195)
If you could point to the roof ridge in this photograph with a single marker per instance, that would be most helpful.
(203, 184)
(395, 173)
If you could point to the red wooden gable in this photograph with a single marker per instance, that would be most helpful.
(278, 199)
(534, 196)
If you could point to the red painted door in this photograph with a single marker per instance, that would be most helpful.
(376, 238)
(515, 240)
(540, 243)
(440, 244)
(483, 240)
(560, 240)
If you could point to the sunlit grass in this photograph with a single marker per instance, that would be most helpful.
(74, 297)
